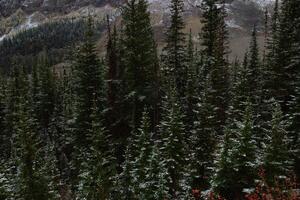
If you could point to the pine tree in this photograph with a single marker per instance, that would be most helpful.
(237, 166)
(112, 63)
(214, 42)
(89, 94)
(191, 86)
(283, 59)
(31, 181)
(277, 157)
(254, 88)
(141, 164)
(284, 37)
(114, 84)
(60, 130)
(15, 88)
(45, 101)
(3, 138)
(273, 72)
(97, 171)
(89, 88)
(174, 56)
(203, 138)
(244, 154)
(253, 71)
(7, 179)
(238, 92)
(222, 181)
(125, 183)
(158, 183)
(140, 59)
(173, 145)
(295, 105)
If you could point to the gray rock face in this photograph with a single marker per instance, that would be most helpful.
(7, 7)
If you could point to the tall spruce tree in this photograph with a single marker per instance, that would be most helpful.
(273, 71)
(89, 90)
(157, 185)
(45, 101)
(222, 181)
(60, 130)
(253, 71)
(98, 170)
(278, 160)
(174, 54)
(244, 155)
(140, 59)
(191, 85)
(295, 105)
(3, 138)
(141, 165)
(214, 42)
(203, 138)
(173, 143)
(283, 71)
(14, 90)
(239, 152)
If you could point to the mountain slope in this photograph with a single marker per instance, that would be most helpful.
(17, 15)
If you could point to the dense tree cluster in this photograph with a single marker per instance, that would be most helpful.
(134, 126)
(55, 36)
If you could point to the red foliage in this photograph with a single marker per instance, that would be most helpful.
(283, 190)
(196, 193)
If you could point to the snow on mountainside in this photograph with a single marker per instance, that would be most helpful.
(16, 15)
(51, 8)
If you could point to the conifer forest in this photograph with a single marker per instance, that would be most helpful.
(139, 122)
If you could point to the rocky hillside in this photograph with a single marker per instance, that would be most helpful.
(17, 15)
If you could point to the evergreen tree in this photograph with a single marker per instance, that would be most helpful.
(238, 92)
(125, 182)
(3, 138)
(223, 181)
(61, 134)
(295, 105)
(173, 146)
(114, 76)
(254, 88)
(89, 90)
(244, 154)
(31, 181)
(283, 72)
(97, 171)
(237, 166)
(273, 71)
(45, 101)
(191, 87)
(203, 139)
(7, 179)
(157, 186)
(174, 56)
(140, 60)
(15, 90)
(253, 71)
(277, 157)
(141, 165)
(214, 42)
